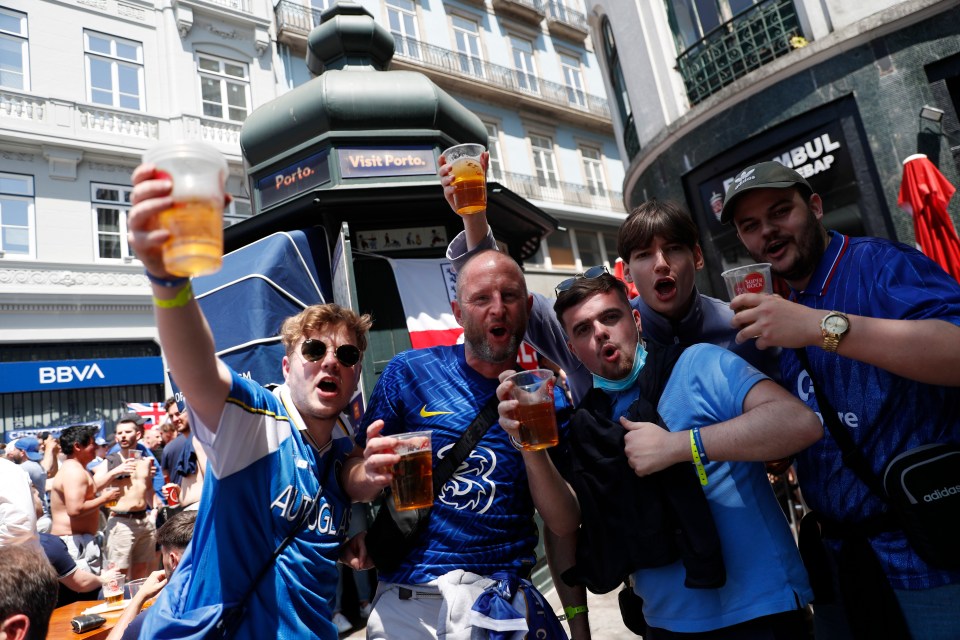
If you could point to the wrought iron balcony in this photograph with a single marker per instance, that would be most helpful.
(563, 192)
(528, 10)
(461, 64)
(737, 47)
(295, 21)
(565, 22)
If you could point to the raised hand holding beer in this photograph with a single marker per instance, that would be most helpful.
(463, 174)
(153, 194)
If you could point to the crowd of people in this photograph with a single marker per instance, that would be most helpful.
(658, 483)
(91, 507)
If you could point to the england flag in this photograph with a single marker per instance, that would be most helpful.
(152, 412)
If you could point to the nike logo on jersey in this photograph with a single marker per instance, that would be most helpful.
(426, 414)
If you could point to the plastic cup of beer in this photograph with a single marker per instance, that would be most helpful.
(752, 278)
(195, 222)
(469, 180)
(536, 412)
(412, 482)
(133, 586)
(113, 589)
(134, 454)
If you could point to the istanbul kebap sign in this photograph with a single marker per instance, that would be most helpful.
(821, 156)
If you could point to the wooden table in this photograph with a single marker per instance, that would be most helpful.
(60, 628)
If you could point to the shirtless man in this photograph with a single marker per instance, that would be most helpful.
(74, 505)
(131, 535)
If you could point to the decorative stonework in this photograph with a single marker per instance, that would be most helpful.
(226, 35)
(68, 278)
(68, 308)
(129, 11)
(19, 157)
(96, 4)
(110, 168)
(15, 105)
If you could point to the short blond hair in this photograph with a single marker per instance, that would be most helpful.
(319, 316)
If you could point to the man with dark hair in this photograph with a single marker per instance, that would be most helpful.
(131, 548)
(482, 533)
(74, 505)
(173, 538)
(733, 422)
(879, 323)
(28, 593)
(277, 481)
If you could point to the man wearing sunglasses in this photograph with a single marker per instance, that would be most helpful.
(276, 482)
(481, 528)
(716, 411)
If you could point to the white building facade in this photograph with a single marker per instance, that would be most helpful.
(86, 86)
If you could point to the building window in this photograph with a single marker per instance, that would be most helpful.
(631, 142)
(14, 61)
(593, 171)
(402, 17)
(16, 215)
(610, 247)
(526, 72)
(238, 211)
(111, 205)
(692, 20)
(114, 71)
(588, 249)
(560, 249)
(495, 166)
(573, 79)
(466, 33)
(224, 88)
(544, 162)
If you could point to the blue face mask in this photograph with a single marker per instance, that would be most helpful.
(639, 359)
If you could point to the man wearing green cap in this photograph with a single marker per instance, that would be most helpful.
(880, 326)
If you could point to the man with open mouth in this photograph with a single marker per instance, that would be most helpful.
(278, 489)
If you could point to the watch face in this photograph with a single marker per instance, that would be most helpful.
(835, 324)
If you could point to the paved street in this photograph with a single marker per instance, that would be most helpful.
(605, 622)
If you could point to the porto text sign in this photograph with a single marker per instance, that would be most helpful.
(294, 179)
(367, 162)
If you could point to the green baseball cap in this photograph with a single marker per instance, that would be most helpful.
(763, 175)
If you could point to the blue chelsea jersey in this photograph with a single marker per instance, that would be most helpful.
(482, 521)
(261, 479)
(884, 413)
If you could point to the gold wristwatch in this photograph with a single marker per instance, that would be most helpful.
(834, 326)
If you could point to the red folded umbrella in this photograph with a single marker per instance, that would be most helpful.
(618, 274)
(925, 194)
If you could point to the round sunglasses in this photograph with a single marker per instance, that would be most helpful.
(314, 350)
(589, 274)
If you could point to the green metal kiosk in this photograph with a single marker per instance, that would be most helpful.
(354, 150)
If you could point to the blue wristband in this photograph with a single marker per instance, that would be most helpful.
(700, 449)
(164, 282)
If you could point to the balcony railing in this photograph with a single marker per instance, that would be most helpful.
(737, 47)
(25, 114)
(239, 5)
(559, 14)
(296, 18)
(563, 192)
(528, 10)
(511, 79)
